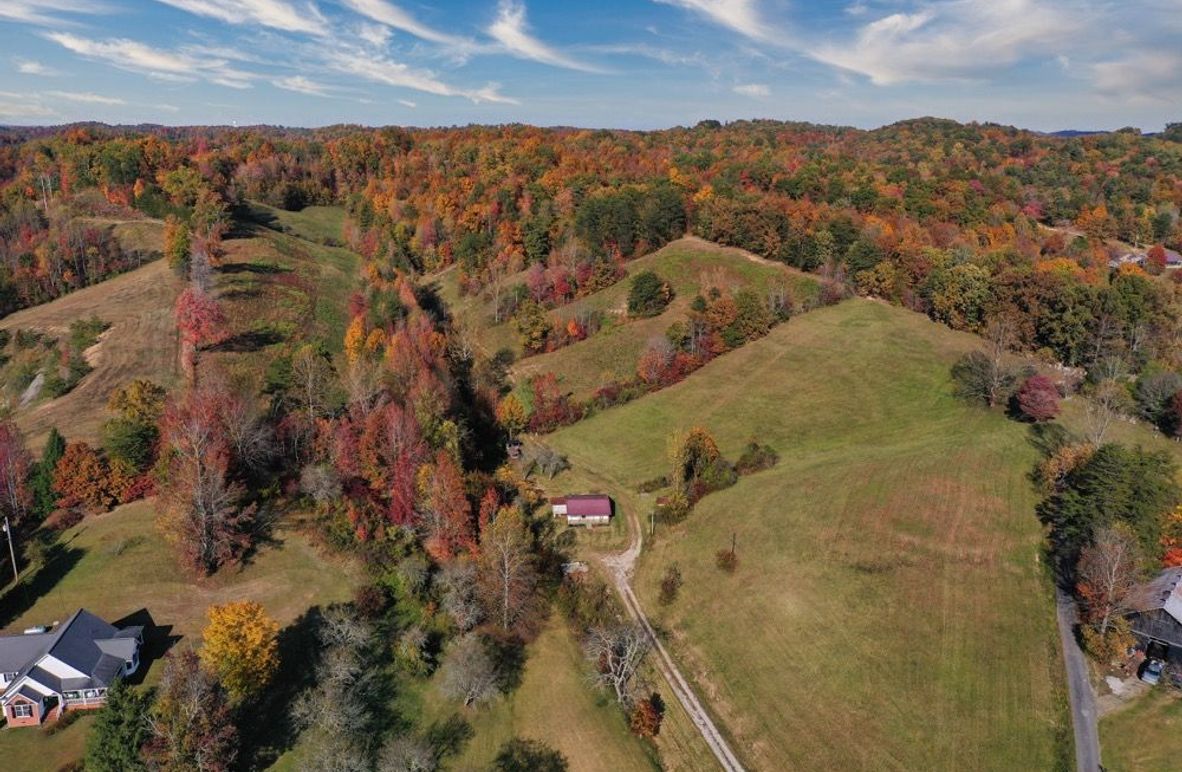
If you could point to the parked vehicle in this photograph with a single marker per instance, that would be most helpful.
(1151, 673)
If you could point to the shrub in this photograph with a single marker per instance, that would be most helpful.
(1111, 647)
(61, 519)
(726, 560)
(647, 716)
(655, 484)
(671, 509)
(756, 458)
(670, 585)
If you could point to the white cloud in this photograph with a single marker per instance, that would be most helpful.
(276, 14)
(86, 97)
(407, 103)
(662, 55)
(758, 90)
(44, 12)
(173, 66)
(512, 32)
(31, 67)
(742, 16)
(953, 40)
(300, 84)
(383, 70)
(393, 16)
(23, 109)
(375, 34)
(1149, 75)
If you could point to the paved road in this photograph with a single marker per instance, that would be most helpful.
(620, 567)
(1079, 689)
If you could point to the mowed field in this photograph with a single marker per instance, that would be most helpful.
(889, 610)
(1145, 736)
(140, 343)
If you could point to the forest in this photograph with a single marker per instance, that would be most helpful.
(395, 435)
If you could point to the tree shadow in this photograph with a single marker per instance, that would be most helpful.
(249, 341)
(259, 269)
(58, 560)
(158, 640)
(508, 655)
(268, 730)
(448, 737)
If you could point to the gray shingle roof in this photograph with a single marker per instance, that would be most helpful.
(85, 642)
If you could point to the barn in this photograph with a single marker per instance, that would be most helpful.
(583, 509)
(1156, 616)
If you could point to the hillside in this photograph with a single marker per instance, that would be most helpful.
(889, 574)
(690, 265)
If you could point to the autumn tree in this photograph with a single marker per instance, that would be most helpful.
(83, 479)
(506, 569)
(240, 645)
(202, 512)
(511, 415)
(647, 715)
(177, 244)
(191, 724)
(1038, 398)
(648, 295)
(131, 435)
(1107, 574)
(532, 325)
(448, 511)
(201, 322)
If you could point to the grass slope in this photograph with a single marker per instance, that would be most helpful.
(141, 343)
(117, 564)
(280, 290)
(889, 611)
(613, 353)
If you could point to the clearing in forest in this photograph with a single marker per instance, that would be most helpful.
(889, 610)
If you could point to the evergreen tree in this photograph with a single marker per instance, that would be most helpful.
(120, 730)
(41, 479)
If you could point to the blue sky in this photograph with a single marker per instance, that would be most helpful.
(1041, 64)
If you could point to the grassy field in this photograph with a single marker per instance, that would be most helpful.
(889, 611)
(279, 289)
(318, 224)
(141, 343)
(1145, 736)
(117, 564)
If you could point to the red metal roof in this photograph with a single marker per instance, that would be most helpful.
(590, 505)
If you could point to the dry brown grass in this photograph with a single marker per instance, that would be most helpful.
(140, 343)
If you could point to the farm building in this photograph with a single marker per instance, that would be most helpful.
(46, 672)
(1157, 613)
(588, 509)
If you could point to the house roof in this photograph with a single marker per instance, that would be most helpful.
(589, 505)
(1163, 592)
(84, 642)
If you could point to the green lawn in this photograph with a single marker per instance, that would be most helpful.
(1145, 736)
(889, 611)
(117, 564)
(318, 224)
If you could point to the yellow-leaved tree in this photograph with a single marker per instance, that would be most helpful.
(241, 647)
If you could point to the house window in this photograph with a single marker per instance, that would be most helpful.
(6, 677)
(91, 693)
(73, 695)
(21, 710)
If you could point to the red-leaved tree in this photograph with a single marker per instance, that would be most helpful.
(1038, 398)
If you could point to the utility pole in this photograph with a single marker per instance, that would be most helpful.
(733, 537)
(11, 550)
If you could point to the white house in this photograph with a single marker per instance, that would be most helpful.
(45, 673)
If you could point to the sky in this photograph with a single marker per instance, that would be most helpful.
(636, 64)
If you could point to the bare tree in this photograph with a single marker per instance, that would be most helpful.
(408, 754)
(460, 600)
(618, 653)
(1108, 400)
(312, 376)
(1107, 574)
(506, 569)
(468, 672)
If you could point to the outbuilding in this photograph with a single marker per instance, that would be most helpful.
(583, 509)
